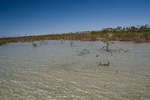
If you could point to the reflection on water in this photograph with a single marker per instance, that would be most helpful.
(71, 71)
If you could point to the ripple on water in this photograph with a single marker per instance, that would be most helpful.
(58, 73)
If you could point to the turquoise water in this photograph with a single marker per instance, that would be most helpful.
(62, 71)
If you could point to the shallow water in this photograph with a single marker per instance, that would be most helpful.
(62, 71)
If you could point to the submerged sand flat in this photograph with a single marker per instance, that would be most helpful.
(56, 72)
(57, 84)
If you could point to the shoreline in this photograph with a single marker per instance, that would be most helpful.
(4, 41)
(136, 34)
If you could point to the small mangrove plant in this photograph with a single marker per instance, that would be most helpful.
(34, 44)
(84, 52)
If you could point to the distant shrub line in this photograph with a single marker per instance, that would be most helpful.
(132, 33)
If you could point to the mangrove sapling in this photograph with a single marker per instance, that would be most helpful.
(107, 46)
(101, 62)
(97, 55)
(107, 41)
(34, 44)
(104, 64)
(71, 43)
(62, 41)
(84, 52)
(123, 50)
(110, 48)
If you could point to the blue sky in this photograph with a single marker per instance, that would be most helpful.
(31, 17)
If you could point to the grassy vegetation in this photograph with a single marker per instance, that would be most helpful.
(136, 34)
(133, 33)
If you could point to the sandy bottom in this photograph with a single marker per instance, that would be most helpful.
(59, 72)
(65, 84)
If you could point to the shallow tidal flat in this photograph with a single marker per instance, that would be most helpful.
(56, 70)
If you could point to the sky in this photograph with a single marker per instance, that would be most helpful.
(35, 17)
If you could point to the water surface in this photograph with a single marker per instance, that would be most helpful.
(61, 71)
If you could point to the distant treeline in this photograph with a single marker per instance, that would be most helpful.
(132, 33)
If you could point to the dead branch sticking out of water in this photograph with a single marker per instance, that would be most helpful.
(104, 64)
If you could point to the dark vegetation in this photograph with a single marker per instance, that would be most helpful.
(132, 33)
